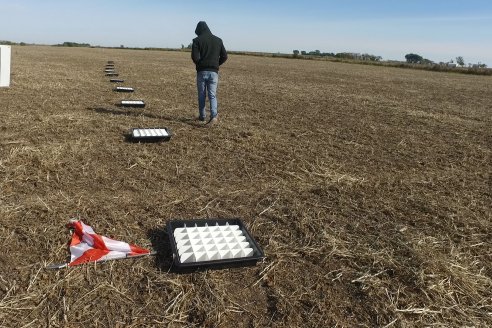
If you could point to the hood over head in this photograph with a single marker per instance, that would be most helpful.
(201, 28)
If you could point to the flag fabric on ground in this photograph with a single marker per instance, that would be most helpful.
(87, 246)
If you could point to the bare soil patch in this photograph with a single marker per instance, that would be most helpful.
(368, 188)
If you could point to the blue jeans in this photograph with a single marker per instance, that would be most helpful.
(206, 82)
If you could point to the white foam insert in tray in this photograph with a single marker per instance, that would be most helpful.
(145, 133)
(209, 243)
(132, 102)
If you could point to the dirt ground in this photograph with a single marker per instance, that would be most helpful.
(368, 188)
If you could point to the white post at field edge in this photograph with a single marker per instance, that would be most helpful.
(5, 53)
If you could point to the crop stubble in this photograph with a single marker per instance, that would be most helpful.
(368, 188)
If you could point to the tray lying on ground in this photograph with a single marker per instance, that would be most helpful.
(112, 74)
(150, 134)
(116, 80)
(123, 89)
(212, 243)
(132, 103)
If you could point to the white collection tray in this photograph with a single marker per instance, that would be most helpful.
(196, 244)
(212, 242)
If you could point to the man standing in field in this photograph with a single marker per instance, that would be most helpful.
(208, 53)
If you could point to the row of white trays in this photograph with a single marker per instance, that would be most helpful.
(137, 134)
(126, 103)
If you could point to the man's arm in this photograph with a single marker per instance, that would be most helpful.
(195, 52)
(223, 55)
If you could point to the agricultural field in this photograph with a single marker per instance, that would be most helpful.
(368, 188)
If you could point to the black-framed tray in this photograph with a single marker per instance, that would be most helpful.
(150, 134)
(132, 103)
(212, 243)
(123, 89)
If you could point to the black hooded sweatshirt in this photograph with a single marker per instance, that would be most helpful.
(208, 51)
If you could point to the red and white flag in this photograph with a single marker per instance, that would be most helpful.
(87, 246)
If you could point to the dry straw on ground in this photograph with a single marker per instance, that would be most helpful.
(367, 187)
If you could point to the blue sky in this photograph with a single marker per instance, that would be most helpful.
(436, 29)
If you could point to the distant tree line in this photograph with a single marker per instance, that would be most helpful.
(458, 62)
(341, 55)
(73, 44)
(412, 60)
(10, 43)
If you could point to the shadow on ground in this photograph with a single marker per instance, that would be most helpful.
(162, 245)
(140, 112)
